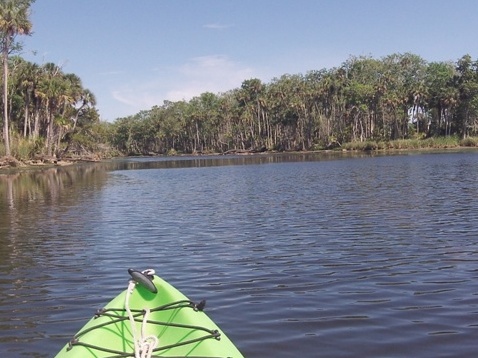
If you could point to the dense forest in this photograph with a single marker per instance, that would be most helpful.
(365, 103)
(397, 97)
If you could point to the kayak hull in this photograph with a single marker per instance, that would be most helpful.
(180, 326)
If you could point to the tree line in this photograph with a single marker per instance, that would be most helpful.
(399, 96)
(45, 110)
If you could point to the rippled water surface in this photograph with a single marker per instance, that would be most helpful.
(326, 256)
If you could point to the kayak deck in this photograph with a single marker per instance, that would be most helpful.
(180, 326)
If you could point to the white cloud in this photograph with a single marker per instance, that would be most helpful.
(208, 74)
(214, 74)
(216, 26)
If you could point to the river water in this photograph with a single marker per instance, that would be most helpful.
(297, 255)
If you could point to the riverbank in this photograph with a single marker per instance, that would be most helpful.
(9, 162)
(430, 144)
(413, 144)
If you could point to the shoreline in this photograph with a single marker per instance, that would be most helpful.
(9, 164)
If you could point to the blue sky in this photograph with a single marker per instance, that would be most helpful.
(134, 54)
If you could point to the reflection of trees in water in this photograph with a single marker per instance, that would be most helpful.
(25, 188)
(225, 160)
(35, 224)
(32, 202)
(40, 208)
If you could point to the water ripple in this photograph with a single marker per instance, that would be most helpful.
(370, 257)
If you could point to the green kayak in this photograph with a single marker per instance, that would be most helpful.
(150, 319)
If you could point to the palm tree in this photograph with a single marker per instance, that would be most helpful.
(25, 79)
(466, 83)
(52, 90)
(13, 21)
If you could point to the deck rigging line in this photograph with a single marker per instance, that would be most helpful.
(118, 315)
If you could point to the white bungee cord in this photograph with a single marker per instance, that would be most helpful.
(143, 345)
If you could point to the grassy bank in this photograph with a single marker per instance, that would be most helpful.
(412, 144)
(23, 151)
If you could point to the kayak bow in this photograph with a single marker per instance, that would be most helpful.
(150, 319)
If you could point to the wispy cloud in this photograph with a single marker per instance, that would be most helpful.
(216, 26)
(215, 73)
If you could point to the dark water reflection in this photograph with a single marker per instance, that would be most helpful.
(329, 256)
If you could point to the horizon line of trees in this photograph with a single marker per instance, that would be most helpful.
(399, 96)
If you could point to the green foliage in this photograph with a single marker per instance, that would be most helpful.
(47, 107)
(441, 142)
(404, 144)
(407, 144)
(22, 148)
(364, 146)
(396, 102)
(14, 20)
(469, 142)
(91, 141)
